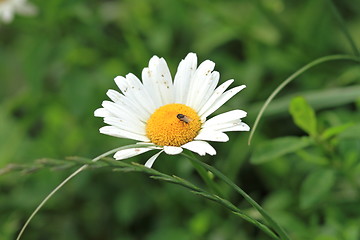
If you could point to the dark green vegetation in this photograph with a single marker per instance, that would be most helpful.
(303, 165)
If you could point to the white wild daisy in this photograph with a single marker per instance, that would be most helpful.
(171, 115)
(8, 8)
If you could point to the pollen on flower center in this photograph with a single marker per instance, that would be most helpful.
(173, 125)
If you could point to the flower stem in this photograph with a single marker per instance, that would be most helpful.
(205, 176)
(154, 174)
(277, 228)
(67, 180)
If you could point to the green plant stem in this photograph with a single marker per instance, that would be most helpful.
(344, 28)
(237, 212)
(205, 176)
(291, 78)
(283, 235)
(67, 180)
(123, 166)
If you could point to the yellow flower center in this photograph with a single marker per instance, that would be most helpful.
(173, 125)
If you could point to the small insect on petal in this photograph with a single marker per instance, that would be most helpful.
(183, 118)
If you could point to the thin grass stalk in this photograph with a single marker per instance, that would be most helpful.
(291, 78)
(37, 209)
(277, 228)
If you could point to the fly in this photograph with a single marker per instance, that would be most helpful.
(183, 118)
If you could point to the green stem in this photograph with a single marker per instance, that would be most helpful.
(154, 174)
(344, 28)
(239, 213)
(205, 176)
(67, 180)
(291, 78)
(283, 235)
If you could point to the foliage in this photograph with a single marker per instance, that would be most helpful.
(302, 166)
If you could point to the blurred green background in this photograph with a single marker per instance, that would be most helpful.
(56, 67)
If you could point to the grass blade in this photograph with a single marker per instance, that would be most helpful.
(278, 229)
(291, 78)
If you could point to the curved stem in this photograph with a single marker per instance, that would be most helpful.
(238, 213)
(292, 77)
(279, 230)
(154, 174)
(37, 209)
(205, 176)
(67, 180)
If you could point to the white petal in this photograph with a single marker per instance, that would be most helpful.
(208, 90)
(150, 86)
(115, 96)
(122, 84)
(130, 99)
(183, 76)
(136, 103)
(131, 126)
(124, 120)
(120, 110)
(171, 150)
(225, 117)
(234, 125)
(132, 88)
(217, 93)
(221, 100)
(116, 132)
(151, 160)
(157, 81)
(102, 112)
(199, 83)
(239, 127)
(209, 135)
(131, 152)
(140, 95)
(165, 84)
(200, 147)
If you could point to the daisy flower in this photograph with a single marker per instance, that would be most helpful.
(8, 8)
(168, 115)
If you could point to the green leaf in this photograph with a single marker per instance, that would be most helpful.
(316, 187)
(313, 157)
(274, 149)
(351, 132)
(333, 131)
(303, 115)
